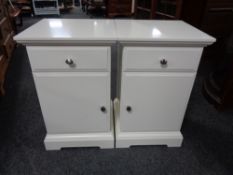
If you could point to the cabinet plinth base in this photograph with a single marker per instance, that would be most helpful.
(127, 139)
(58, 141)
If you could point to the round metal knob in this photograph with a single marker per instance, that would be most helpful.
(103, 109)
(129, 108)
(69, 61)
(163, 62)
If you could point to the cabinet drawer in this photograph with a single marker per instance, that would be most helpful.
(56, 57)
(161, 58)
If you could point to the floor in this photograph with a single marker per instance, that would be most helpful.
(207, 148)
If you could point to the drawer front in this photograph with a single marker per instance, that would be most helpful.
(61, 57)
(161, 58)
(4, 28)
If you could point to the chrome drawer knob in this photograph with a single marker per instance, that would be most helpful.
(128, 108)
(103, 109)
(163, 62)
(69, 61)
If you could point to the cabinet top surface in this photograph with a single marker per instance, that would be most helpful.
(68, 30)
(161, 31)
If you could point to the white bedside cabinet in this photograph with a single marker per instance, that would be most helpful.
(71, 65)
(156, 74)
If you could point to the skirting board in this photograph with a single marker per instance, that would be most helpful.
(171, 139)
(58, 141)
(127, 139)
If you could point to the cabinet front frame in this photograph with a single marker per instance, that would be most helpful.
(127, 139)
(101, 139)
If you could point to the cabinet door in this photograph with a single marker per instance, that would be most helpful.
(71, 102)
(154, 101)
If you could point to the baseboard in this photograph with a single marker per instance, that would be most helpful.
(58, 141)
(127, 139)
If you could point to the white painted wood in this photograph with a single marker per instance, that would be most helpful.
(158, 94)
(71, 97)
(71, 102)
(68, 30)
(160, 31)
(58, 141)
(54, 57)
(148, 58)
(170, 139)
(48, 9)
(102, 140)
(83, 30)
(127, 139)
(158, 101)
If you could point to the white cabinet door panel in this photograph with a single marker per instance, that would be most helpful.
(71, 102)
(158, 101)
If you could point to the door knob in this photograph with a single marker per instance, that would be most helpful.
(103, 109)
(129, 108)
(163, 62)
(69, 61)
